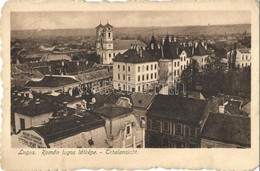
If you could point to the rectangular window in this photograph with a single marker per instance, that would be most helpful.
(178, 129)
(123, 68)
(143, 77)
(156, 125)
(166, 126)
(155, 75)
(109, 35)
(151, 75)
(174, 64)
(118, 76)
(138, 77)
(123, 76)
(139, 88)
(139, 69)
(193, 131)
(151, 67)
(118, 67)
(22, 123)
(123, 87)
(147, 67)
(187, 131)
(155, 66)
(128, 130)
(129, 79)
(147, 77)
(129, 68)
(109, 55)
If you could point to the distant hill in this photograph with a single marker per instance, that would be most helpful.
(134, 31)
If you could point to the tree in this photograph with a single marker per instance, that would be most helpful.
(190, 74)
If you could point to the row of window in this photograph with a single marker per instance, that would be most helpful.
(152, 67)
(152, 76)
(140, 88)
(245, 57)
(164, 126)
(244, 65)
(123, 77)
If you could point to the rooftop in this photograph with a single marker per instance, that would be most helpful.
(112, 111)
(51, 81)
(178, 108)
(69, 126)
(133, 56)
(142, 100)
(227, 128)
(126, 44)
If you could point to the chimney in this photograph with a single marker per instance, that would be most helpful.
(183, 44)
(65, 107)
(192, 50)
(141, 53)
(159, 46)
(27, 95)
(221, 108)
(163, 40)
(77, 63)
(175, 39)
(170, 38)
(196, 44)
(86, 62)
(137, 49)
(132, 47)
(62, 63)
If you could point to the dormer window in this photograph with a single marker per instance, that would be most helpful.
(128, 130)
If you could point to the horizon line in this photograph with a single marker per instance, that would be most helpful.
(134, 27)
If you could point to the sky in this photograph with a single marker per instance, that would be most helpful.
(65, 20)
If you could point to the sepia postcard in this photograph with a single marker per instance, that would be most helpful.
(133, 85)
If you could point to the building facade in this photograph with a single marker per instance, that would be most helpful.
(136, 70)
(178, 125)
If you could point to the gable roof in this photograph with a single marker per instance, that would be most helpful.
(142, 100)
(131, 56)
(111, 111)
(227, 128)
(178, 108)
(51, 81)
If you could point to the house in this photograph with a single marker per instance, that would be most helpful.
(80, 130)
(123, 128)
(176, 57)
(36, 112)
(239, 57)
(53, 83)
(174, 122)
(226, 131)
(107, 47)
(201, 54)
(136, 70)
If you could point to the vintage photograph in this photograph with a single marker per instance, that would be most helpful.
(130, 79)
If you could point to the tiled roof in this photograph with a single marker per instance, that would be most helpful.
(51, 81)
(94, 75)
(178, 108)
(113, 97)
(112, 111)
(227, 128)
(200, 50)
(142, 100)
(126, 44)
(69, 126)
(131, 56)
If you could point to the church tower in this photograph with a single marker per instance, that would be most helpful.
(99, 36)
(108, 37)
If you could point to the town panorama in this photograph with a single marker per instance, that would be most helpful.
(124, 87)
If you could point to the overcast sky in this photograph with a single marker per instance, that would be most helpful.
(63, 20)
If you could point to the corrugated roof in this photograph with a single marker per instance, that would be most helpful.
(227, 128)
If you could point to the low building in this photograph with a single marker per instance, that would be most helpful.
(53, 83)
(239, 57)
(136, 70)
(83, 130)
(174, 122)
(123, 128)
(226, 131)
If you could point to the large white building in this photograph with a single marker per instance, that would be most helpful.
(107, 47)
(135, 70)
